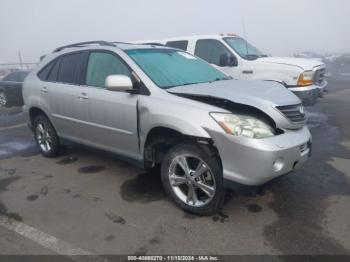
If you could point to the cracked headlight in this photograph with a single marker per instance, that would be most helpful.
(243, 125)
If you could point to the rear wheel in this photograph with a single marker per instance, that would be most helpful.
(3, 99)
(46, 137)
(193, 179)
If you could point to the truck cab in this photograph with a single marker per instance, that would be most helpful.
(236, 57)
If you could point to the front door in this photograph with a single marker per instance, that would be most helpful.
(112, 115)
(212, 51)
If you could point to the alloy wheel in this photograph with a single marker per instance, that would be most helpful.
(191, 180)
(43, 137)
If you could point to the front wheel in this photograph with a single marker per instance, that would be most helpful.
(193, 179)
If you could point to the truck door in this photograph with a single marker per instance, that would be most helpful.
(217, 54)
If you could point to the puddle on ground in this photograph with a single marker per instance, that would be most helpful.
(220, 217)
(254, 208)
(67, 160)
(32, 197)
(144, 188)
(4, 183)
(91, 169)
(115, 218)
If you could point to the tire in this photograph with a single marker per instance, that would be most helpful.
(199, 190)
(3, 99)
(46, 137)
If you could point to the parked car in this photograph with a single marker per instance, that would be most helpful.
(11, 89)
(162, 106)
(238, 58)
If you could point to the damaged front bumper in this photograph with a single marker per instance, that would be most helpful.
(253, 162)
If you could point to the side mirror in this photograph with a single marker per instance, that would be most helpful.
(228, 60)
(118, 83)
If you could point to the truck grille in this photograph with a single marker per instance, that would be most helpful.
(319, 76)
(295, 113)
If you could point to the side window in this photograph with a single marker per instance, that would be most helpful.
(178, 44)
(11, 77)
(69, 69)
(44, 73)
(52, 77)
(101, 65)
(211, 50)
(22, 76)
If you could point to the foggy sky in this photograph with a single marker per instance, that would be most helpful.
(278, 27)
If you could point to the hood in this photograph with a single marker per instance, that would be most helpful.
(242, 92)
(262, 95)
(303, 63)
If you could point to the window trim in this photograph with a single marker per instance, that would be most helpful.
(213, 39)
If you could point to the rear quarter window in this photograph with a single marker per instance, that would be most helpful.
(178, 44)
(44, 73)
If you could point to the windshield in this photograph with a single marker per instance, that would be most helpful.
(169, 68)
(243, 48)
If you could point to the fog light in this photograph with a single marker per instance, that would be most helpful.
(278, 164)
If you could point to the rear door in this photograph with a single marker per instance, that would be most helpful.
(61, 95)
(112, 115)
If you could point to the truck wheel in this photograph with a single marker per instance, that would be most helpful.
(46, 137)
(3, 99)
(193, 179)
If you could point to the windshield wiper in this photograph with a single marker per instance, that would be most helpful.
(222, 78)
(186, 84)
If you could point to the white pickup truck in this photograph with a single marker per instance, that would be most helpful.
(236, 57)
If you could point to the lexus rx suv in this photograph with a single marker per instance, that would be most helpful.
(161, 106)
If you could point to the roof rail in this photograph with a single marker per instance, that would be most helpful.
(156, 44)
(102, 43)
(127, 43)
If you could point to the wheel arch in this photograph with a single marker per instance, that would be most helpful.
(34, 112)
(160, 139)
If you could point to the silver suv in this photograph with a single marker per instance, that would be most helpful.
(164, 107)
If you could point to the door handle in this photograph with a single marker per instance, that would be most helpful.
(83, 96)
(44, 90)
(247, 71)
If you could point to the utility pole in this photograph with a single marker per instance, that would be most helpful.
(20, 59)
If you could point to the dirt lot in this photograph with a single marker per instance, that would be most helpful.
(88, 201)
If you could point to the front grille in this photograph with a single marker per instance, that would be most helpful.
(303, 147)
(319, 76)
(295, 113)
